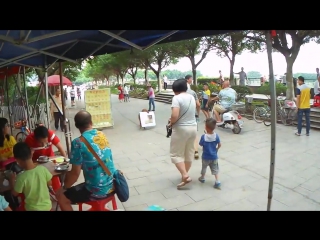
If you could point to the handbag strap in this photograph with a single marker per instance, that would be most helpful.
(183, 113)
(104, 167)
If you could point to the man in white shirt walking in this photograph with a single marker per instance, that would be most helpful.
(165, 82)
(72, 95)
(221, 77)
(126, 93)
(57, 113)
(316, 87)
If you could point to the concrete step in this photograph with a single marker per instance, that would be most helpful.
(164, 98)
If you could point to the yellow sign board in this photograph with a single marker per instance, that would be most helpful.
(98, 104)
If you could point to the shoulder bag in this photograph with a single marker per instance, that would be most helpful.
(119, 181)
(169, 128)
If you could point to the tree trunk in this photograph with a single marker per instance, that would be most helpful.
(118, 79)
(194, 74)
(159, 82)
(232, 81)
(134, 79)
(146, 75)
(289, 79)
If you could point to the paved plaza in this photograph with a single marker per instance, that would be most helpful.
(143, 155)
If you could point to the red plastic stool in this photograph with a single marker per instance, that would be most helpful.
(316, 101)
(56, 184)
(21, 206)
(99, 205)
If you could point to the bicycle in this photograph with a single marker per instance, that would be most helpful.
(281, 114)
(251, 107)
(24, 130)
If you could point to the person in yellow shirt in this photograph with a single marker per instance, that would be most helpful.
(303, 105)
(6, 157)
(6, 141)
(205, 100)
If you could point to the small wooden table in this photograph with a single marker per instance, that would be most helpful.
(50, 166)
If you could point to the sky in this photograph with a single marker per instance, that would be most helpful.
(306, 62)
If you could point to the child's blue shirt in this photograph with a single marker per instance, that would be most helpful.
(3, 203)
(209, 144)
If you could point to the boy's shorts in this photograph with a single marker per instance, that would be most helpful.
(213, 164)
(203, 105)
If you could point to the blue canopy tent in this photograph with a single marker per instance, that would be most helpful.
(42, 48)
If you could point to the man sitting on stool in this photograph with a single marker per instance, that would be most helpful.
(227, 96)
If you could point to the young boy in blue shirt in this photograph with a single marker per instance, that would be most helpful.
(210, 143)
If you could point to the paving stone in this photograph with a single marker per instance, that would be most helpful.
(171, 192)
(133, 163)
(288, 198)
(133, 191)
(259, 185)
(146, 198)
(238, 182)
(309, 173)
(155, 186)
(204, 205)
(231, 196)
(315, 196)
(140, 207)
(138, 182)
(302, 191)
(292, 181)
(242, 205)
(175, 202)
(312, 184)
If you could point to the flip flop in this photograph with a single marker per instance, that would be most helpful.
(184, 182)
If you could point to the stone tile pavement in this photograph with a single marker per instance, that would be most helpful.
(143, 155)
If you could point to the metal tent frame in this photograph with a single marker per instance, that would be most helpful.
(42, 48)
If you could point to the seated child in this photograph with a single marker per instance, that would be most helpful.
(33, 182)
(4, 205)
(143, 110)
(210, 142)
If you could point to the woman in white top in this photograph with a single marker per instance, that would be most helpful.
(184, 130)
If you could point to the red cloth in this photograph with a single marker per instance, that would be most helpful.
(38, 150)
(273, 33)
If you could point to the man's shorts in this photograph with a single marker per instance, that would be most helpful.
(219, 108)
(203, 105)
(72, 98)
(213, 164)
(80, 194)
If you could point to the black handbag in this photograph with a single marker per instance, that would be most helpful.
(169, 128)
(120, 184)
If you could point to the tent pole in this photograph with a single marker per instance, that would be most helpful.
(273, 97)
(47, 97)
(64, 109)
(37, 99)
(26, 96)
(8, 99)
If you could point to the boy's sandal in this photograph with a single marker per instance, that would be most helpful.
(202, 180)
(184, 182)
